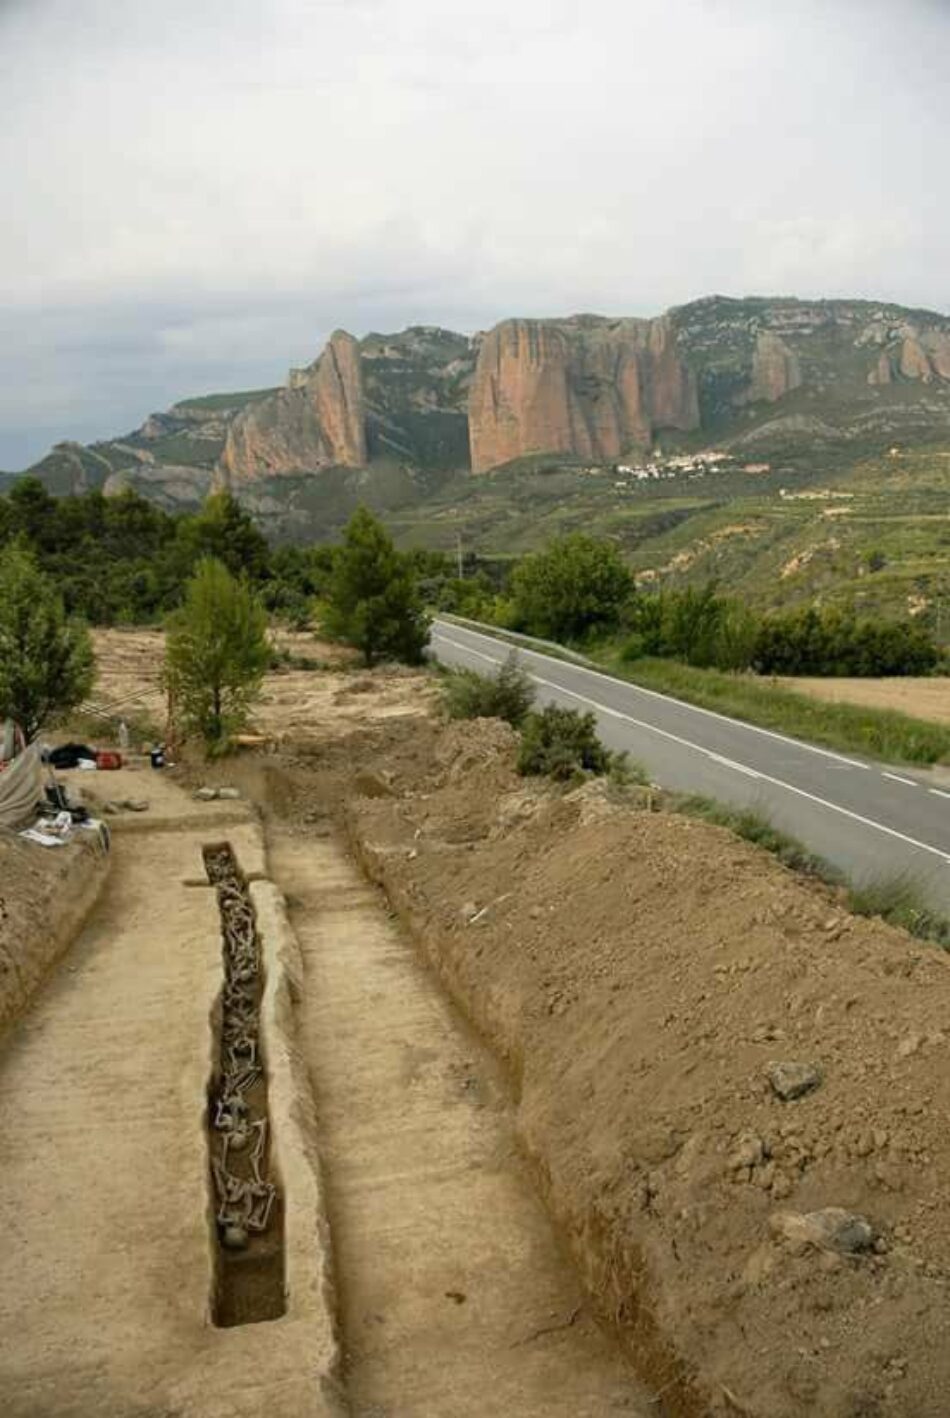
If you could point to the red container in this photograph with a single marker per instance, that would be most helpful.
(108, 758)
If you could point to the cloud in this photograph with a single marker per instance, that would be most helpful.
(200, 193)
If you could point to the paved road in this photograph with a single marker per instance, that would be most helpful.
(865, 817)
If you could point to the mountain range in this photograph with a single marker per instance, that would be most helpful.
(398, 417)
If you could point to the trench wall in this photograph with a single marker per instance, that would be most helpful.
(46, 893)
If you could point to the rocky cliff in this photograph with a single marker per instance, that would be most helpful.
(317, 421)
(409, 408)
(585, 386)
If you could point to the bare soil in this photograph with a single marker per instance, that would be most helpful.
(105, 1271)
(454, 1295)
(922, 698)
(639, 973)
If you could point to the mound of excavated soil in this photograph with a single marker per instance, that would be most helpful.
(642, 972)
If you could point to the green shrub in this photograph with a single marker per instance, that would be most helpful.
(702, 628)
(506, 695)
(562, 744)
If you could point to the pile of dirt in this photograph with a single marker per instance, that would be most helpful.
(710, 1051)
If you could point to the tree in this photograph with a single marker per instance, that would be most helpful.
(216, 653)
(224, 530)
(373, 601)
(577, 585)
(46, 660)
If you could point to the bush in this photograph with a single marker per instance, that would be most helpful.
(46, 661)
(562, 744)
(216, 654)
(576, 587)
(506, 695)
(833, 642)
(709, 631)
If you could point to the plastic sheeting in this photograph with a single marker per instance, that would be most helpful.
(21, 788)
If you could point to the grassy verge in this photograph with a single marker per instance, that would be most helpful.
(754, 826)
(852, 728)
(899, 900)
(879, 733)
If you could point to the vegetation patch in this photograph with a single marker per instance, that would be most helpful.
(753, 825)
(506, 695)
(879, 733)
(901, 901)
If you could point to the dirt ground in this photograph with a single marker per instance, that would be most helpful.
(923, 698)
(105, 1271)
(454, 1296)
(641, 975)
(296, 701)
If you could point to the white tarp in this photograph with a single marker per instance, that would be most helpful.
(21, 788)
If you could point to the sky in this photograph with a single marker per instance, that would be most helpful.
(197, 194)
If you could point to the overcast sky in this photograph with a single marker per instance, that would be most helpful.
(196, 192)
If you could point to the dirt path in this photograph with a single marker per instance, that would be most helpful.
(454, 1296)
(105, 1271)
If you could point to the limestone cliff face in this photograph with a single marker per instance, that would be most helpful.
(318, 421)
(914, 363)
(585, 386)
(775, 369)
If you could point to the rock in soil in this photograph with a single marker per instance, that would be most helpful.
(793, 1080)
(832, 1229)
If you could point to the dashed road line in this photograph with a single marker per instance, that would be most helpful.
(654, 694)
(896, 778)
(709, 754)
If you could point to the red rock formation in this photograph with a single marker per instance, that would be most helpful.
(882, 373)
(914, 363)
(937, 346)
(317, 422)
(775, 369)
(586, 386)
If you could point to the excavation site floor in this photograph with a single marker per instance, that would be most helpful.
(454, 1296)
(105, 1267)
(423, 1278)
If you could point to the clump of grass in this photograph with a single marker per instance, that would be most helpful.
(899, 899)
(507, 695)
(880, 733)
(755, 826)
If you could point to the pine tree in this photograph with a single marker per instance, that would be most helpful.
(216, 653)
(373, 600)
(46, 660)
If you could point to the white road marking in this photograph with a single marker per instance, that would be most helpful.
(708, 753)
(655, 694)
(938, 792)
(731, 763)
(896, 778)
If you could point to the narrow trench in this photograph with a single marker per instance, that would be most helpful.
(454, 1293)
(249, 1215)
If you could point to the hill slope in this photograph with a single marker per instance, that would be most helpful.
(563, 422)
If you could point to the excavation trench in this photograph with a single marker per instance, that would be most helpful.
(454, 1294)
(248, 1209)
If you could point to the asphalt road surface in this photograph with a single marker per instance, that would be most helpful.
(867, 818)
